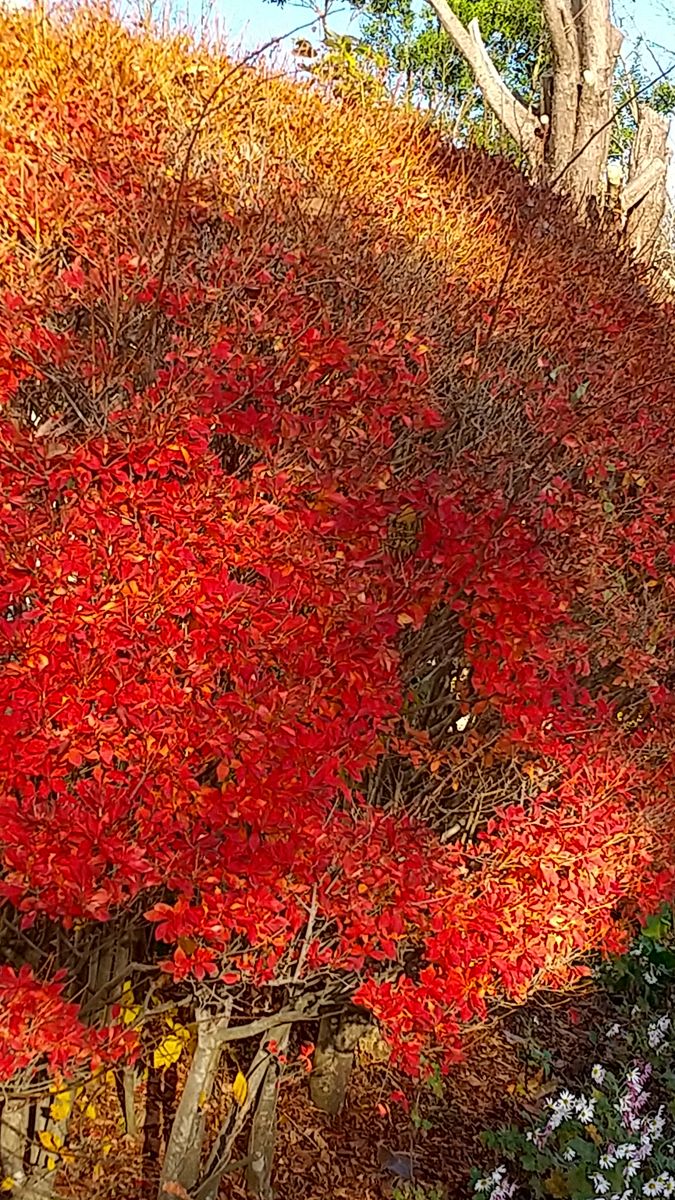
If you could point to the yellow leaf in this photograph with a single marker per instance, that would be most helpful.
(171, 1047)
(51, 1164)
(50, 1141)
(106, 1147)
(130, 1010)
(97, 1172)
(240, 1088)
(405, 619)
(556, 1185)
(90, 1112)
(7, 1184)
(59, 1110)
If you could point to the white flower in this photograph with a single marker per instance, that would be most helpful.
(656, 1032)
(652, 1188)
(639, 1075)
(598, 1074)
(630, 1170)
(607, 1161)
(482, 1185)
(655, 1125)
(561, 1108)
(585, 1110)
(613, 1031)
(569, 1154)
(600, 1184)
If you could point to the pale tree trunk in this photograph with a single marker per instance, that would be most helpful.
(334, 1058)
(182, 1160)
(644, 197)
(566, 144)
(599, 44)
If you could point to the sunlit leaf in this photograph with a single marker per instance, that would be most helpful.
(240, 1088)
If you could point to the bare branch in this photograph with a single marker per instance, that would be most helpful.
(637, 188)
(519, 122)
(308, 936)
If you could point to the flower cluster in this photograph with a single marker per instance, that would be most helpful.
(496, 1185)
(615, 1143)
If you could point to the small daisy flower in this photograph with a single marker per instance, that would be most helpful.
(598, 1074)
(652, 1188)
(585, 1110)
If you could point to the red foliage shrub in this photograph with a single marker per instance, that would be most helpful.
(222, 400)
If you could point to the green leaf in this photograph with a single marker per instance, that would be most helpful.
(584, 1150)
(578, 1185)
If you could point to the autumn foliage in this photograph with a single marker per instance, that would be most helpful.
(336, 556)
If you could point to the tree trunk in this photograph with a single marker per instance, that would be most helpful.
(219, 1161)
(23, 1156)
(183, 1153)
(263, 1130)
(567, 143)
(644, 197)
(334, 1058)
(599, 43)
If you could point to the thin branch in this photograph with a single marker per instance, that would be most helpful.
(519, 122)
(308, 936)
(196, 130)
(236, 1033)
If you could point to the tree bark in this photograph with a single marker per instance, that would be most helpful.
(644, 197)
(262, 1137)
(560, 104)
(23, 1157)
(183, 1153)
(599, 44)
(567, 144)
(334, 1058)
(219, 1161)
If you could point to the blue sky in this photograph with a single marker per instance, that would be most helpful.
(251, 22)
